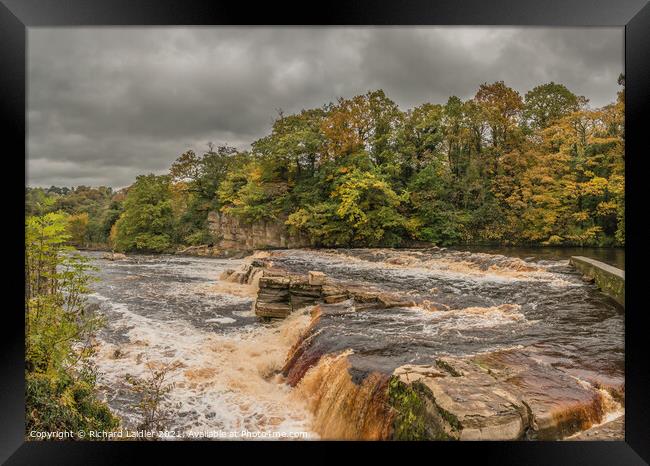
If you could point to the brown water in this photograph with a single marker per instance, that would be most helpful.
(167, 308)
(481, 302)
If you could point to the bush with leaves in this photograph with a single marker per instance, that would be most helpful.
(59, 330)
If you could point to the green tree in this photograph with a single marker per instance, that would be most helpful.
(438, 220)
(420, 139)
(147, 223)
(195, 180)
(547, 103)
(362, 210)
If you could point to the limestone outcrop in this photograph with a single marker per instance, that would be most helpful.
(281, 293)
(231, 234)
(403, 387)
(247, 273)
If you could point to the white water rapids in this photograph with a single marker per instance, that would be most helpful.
(167, 309)
(227, 382)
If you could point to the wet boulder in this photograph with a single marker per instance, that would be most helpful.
(464, 403)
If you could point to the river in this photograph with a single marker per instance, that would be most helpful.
(611, 256)
(165, 309)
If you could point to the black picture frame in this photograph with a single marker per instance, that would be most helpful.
(18, 15)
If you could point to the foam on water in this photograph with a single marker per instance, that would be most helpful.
(225, 382)
(222, 320)
(165, 311)
(474, 318)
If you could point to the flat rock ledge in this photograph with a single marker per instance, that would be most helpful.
(501, 396)
(247, 273)
(114, 256)
(279, 293)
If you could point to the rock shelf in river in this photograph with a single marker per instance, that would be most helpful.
(500, 395)
(282, 293)
(504, 395)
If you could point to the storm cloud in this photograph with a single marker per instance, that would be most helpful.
(107, 104)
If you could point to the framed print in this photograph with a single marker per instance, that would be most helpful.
(378, 227)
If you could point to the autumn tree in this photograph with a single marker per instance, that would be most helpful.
(365, 123)
(78, 228)
(501, 107)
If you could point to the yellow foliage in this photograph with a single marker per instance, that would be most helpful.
(606, 208)
(595, 187)
(77, 228)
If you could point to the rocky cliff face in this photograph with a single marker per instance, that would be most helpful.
(231, 233)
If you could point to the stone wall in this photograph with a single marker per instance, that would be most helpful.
(609, 280)
(231, 233)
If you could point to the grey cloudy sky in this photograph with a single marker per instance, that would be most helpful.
(107, 104)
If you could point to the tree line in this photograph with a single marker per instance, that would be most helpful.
(544, 168)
